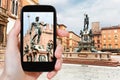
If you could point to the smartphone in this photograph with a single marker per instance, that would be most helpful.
(38, 37)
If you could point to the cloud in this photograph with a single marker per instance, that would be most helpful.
(53, 2)
(72, 13)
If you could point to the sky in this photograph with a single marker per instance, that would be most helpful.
(43, 17)
(71, 12)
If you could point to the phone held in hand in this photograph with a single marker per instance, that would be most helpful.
(38, 37)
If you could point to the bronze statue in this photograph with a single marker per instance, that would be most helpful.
(38, 30)
(86, 22)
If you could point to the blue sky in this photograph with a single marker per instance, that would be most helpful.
(43, 17)
(71, 12)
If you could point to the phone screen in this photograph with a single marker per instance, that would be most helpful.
(38, 38)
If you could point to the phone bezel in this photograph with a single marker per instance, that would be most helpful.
(38, 66)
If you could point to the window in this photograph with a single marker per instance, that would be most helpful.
(13, 6)
(98, 46)
(104, 46)
(116, 36)
(0, 3)
(1, 34)
(116, 46)
(110, 46)
(98, 41)
(16, 9)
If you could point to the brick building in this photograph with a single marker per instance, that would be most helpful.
(106, 38)
(110, 38)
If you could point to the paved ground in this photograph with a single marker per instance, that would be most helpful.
(85, 72)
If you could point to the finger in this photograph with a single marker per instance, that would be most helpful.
(13, 37)
(59, 51)
(11, 56)
(34, 75)
(58, 64)
(16, 29)
(62, 33)
(51, 74)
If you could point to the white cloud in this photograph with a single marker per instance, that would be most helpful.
(53, 2)
(106, 12)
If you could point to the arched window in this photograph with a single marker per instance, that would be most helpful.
(16, 9)
(13, 6)
(0, 3)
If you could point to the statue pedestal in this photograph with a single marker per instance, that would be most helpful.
(86, 43)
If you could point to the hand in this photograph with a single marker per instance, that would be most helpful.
(13, 69)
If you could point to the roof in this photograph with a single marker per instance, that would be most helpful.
(97, 33)
(74, 33)
(112, 27)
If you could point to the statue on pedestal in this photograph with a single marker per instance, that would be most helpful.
(86, 22)
(86, 43)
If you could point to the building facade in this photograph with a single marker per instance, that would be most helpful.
(69, 43)
(14, 10)
(96, 35)
(106, 38)
(73, 41)
(111, 39)
(3, 21)
(62, 40)
(9, 12)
